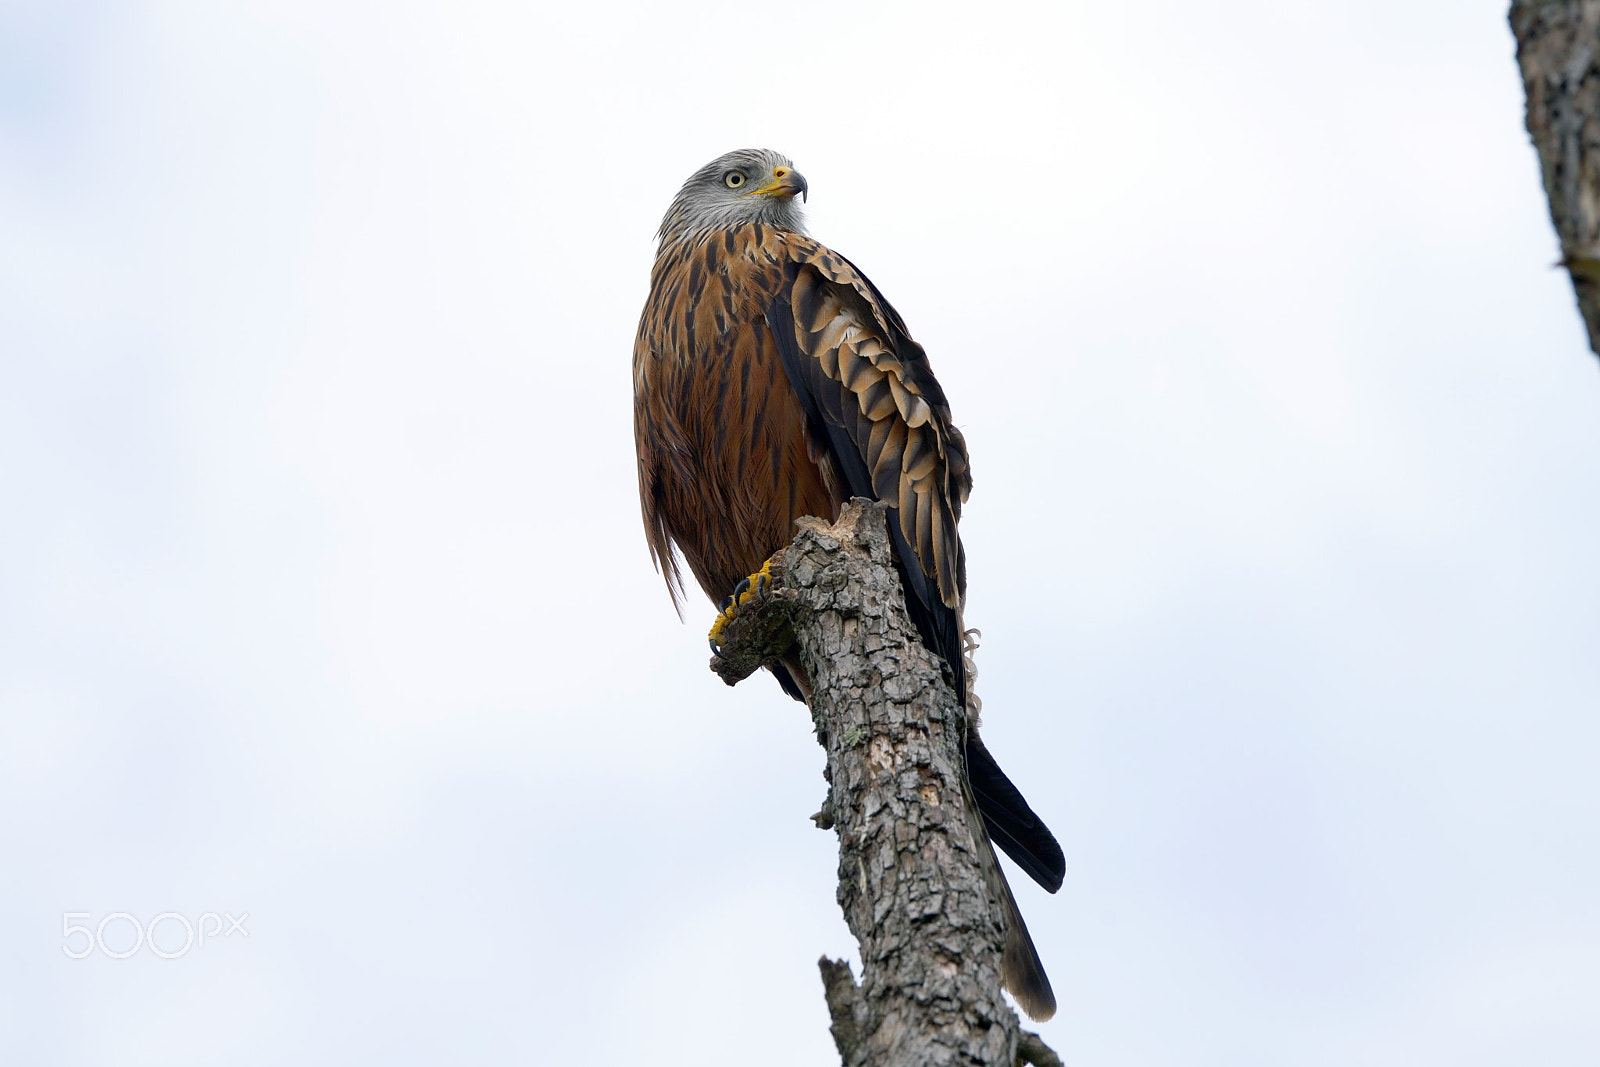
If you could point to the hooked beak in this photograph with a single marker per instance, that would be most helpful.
(786, 181)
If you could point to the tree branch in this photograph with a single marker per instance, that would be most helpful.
(1557, 44)
(916, 883)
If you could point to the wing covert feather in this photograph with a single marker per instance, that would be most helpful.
(871, 395)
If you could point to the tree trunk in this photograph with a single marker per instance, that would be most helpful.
(916, 880)
(1557, 41)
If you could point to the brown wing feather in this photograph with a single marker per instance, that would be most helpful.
(887, 401)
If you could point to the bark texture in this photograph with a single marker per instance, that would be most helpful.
(1557, 42)
(916, 880)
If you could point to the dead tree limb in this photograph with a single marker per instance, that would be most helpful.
(1557, 45)
(915, 883)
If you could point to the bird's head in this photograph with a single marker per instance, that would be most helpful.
(750, 185)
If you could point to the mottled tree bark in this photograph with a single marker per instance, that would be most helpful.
(916, 882)
(1557, 42)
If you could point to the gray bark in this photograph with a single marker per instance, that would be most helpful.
(1557, 43)
(916, 883)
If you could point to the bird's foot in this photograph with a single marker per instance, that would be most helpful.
(755, 586)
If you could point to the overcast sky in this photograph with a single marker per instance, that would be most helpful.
(324, 597)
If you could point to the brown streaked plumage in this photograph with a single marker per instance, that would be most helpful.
(773, 381)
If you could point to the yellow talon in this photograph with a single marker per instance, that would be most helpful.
(753, 586)
(717, 627)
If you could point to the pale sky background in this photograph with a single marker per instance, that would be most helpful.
(323, 594)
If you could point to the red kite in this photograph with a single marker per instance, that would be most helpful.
(773, 381)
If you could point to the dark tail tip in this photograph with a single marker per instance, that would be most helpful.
(1010, 822)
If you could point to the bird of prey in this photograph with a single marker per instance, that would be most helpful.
(773, 381)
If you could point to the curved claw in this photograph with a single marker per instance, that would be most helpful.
(753, 587)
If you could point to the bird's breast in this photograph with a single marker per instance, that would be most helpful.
(715, 372)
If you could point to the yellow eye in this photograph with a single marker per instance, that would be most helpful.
(733, 179)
